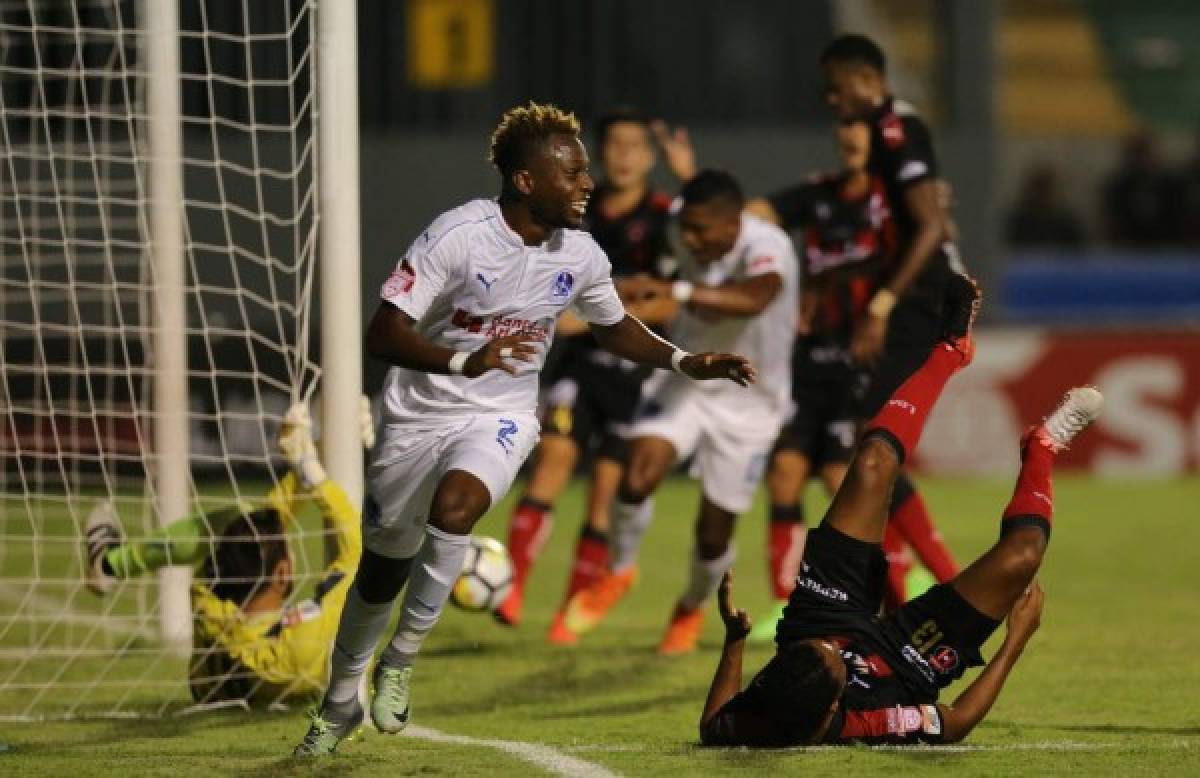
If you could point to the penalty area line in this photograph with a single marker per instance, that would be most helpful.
(549, 759)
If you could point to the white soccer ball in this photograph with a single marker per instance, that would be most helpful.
(486, 578)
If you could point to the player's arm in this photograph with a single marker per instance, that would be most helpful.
(630, 339)
(741, 299)
(976, 700)
(392, 338)
(726, 719)
(929, 216)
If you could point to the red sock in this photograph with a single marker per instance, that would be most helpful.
(591, 561)
(528, 530)
(903, 416)
(1032, 503)
(899, 563)
(785, 548)
(911, 519)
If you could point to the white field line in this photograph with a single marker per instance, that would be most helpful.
(1062, 746)
(47, 606)
(549, 759)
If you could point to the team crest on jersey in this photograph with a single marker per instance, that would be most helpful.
(401, 280)
(943, 659)
(564, 282)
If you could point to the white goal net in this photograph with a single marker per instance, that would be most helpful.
(78, 359)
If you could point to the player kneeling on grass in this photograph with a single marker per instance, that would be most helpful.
(464, 322)
(248, 644)
(842, 673)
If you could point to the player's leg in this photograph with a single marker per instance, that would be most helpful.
(110, 558)
(480, 463)
(859, 509)
(992, 583)
(899, 562)
(950, 623)
(591, 559)
(650, 458)
(531, 522)
(712, 557)
(909, 514)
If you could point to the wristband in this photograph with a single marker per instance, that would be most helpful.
(455, 365)
(882, 303)
(678, 357)
(682, 291)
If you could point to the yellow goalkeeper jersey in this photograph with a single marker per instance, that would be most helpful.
(266, 657)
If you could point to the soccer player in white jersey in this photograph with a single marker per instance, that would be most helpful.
(739, 293)
(465, 321)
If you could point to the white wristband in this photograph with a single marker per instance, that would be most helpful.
(678, 358)
(682, 291)
(455, 365)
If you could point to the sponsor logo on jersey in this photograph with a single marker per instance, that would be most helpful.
(305, 610)
(401, 280)
(564, 282)
(931, 720)
(904, 405)
(500, 326)
(505, 435)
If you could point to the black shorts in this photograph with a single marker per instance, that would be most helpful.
(946, 630)
(592, 401)
(840, 590)
(824, 424)
(913, 328)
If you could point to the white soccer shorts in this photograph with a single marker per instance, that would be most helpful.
(411, 459)
(731, 440)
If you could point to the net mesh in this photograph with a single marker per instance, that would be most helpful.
(77, 362)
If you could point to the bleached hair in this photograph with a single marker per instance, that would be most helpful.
(522, 129)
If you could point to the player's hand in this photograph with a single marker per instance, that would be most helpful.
(504, 353)
(701, 367)
(677, 149)
(296, 445)
(868, 340)
(1026, 614)
(737, 622)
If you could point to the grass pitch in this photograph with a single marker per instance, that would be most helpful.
(1108, 686)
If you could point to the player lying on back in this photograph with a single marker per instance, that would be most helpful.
(841, 672)
(249, 644)
(464, 322)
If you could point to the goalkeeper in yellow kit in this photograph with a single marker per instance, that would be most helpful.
(251, 640)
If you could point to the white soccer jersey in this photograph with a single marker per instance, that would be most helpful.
(470, 278)
(766, 339)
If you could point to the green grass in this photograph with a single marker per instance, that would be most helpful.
(1108, 686)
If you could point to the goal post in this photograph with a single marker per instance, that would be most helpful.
(171, 469)
(178, 194)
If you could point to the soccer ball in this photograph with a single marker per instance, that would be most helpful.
(486, 578)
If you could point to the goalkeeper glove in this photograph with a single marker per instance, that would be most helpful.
(296, 443)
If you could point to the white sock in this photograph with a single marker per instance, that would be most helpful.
(706, 577)
(629, 524)
(435, 569)
(359, 630)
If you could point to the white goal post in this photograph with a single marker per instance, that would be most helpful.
(178, 193)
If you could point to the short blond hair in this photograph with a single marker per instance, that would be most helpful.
(524, 126)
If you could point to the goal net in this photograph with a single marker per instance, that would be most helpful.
(81, 350)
